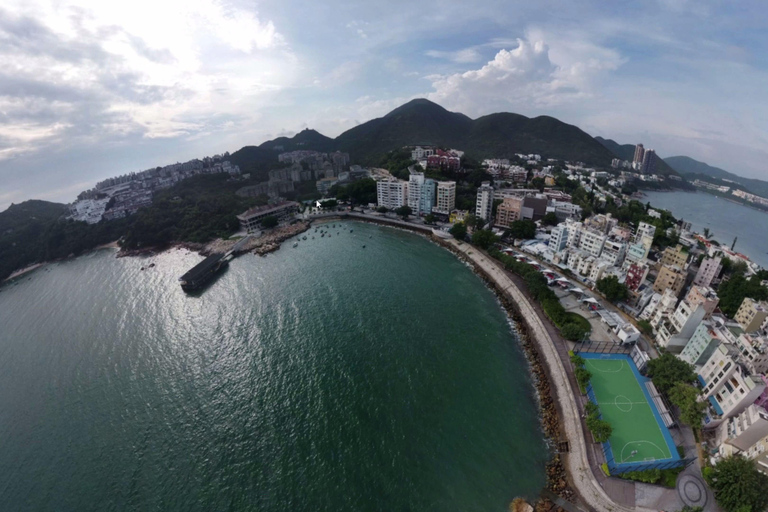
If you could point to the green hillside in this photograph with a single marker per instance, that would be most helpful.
(423, 122)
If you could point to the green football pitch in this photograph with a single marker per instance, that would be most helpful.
(637, 435)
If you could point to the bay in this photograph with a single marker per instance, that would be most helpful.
(725, 219)
(323, 377)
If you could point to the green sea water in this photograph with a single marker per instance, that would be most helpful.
(323, 377)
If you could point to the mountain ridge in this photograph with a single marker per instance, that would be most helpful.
(420, 121)
(688, 166)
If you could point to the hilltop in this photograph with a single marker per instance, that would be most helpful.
(423, 122)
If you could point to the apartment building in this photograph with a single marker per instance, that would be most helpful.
(392, 193)
(509, 211)
(705, 296)
(592, 241)
(676, 330)
(675, 257)
(613, 252)
(754, 351)
(446, 197)
(740, 433)
(484, 203)
(669, 277)
(558, 237)
(727, 385)
(708, 271)
(751, 314)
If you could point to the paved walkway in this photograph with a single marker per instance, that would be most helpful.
(577, 462)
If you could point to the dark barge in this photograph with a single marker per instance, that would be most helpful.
(203, 272)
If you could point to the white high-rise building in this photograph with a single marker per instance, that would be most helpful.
(446, 197)
(558, 237)
(392, 193)
(415, 183)
(708, 270)
(484, 205)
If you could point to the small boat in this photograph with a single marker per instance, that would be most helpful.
(304, 237)
(295, 244)
(363, 246)
(351, 230)
(370, 236)
(313, 238)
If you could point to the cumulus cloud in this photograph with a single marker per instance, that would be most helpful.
(92, 69)
(527, 78)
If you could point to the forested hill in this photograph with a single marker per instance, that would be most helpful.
(423, 122)
(20, 216)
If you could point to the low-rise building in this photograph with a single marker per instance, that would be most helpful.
(250, 220)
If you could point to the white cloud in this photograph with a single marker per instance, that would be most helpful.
(460, 56)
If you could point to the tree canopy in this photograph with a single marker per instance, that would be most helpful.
(685, 397)
(404, 211)
(613, 290)
(522, 229)
(733, 292)
(459, 231)
(484, 238)
(550, 219)
(738, 486)
(668, 370)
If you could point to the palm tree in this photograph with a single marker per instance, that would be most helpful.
(707, 234)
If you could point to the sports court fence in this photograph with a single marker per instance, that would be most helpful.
(602, 347)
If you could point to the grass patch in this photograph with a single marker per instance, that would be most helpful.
(664, 477)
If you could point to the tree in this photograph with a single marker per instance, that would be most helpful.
(404, 211)
(738, 486)
(538, 183)
(582, 376)
(601, 429)
(522, 229)
(269, 221)
(550, 219)
(484, 238)
(668, 370)
(733, 292)
(572, 332)
(474, 222)
(707, 234)
(685, 396)
(459, 231)
(646, 327)
(430, 219)
(382, 209)
(612, 289)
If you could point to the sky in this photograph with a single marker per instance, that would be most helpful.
(91, 89)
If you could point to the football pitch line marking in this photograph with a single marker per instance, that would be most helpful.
(620, 368)
(646, 459)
